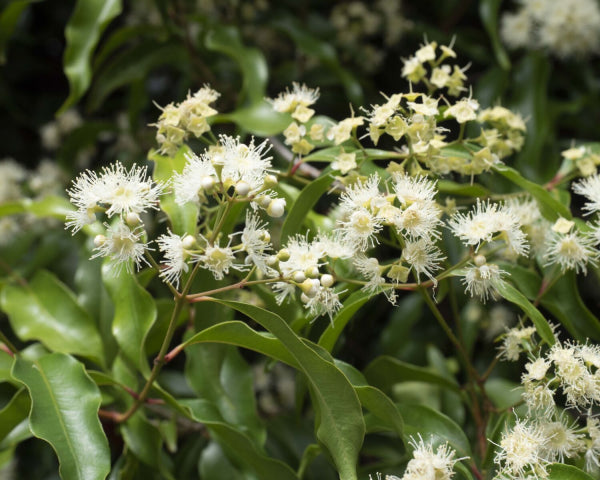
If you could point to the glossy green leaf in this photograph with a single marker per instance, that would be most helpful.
(46, 310)
(564, 302)
(252, 63)
(88, 21)
(257, 119)
(214, 464)
(488, 11)
(510, 293)
(14, 412)
(550, 207)
(385, 371)
(50, 206)
(237, 444)
(135, 312)
(135, 64)
(324, 52)
(305, 202)
(9, 19)
(340, 424)
(329, 154)
(431, 424)
(342, 317)
(64, 412)
(219, 374)
(468, 190)
(382, 407)
(183, 218)
(560, 471)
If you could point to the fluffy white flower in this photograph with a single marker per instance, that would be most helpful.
(589, 187)
(413, 189)
(427, 464)
(256, 242)
(218, 260)
(303, 256)
(197, 176)
(571, 251)
(481, 279)
(520, 451)
(299, 96)
(424, 257)
(176, 250)
(370, 269)
(121, 245)
(360, 195)
(419, 220)
(562, 440)
(360, 229)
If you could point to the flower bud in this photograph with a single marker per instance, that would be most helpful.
(188, 242)
(99, 240)
(276, 207)
(312, 272)
(327, 280)
(480, 260)
(207, 182)
(299, 277)
(242, 188)
(283, 255)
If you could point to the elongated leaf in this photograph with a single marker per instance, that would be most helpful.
(430, 423)
(511, 294)
(469, 190)
(237, 444)
(560, 471)
(83, 31)
(14, 413)
(306, 201)
(214, 463)
(252, 63)
(329, 154)
(258, 119)
(135, 312)
(342, 317)
(64, 412)
(488, 11)
(50, 206)
(382, 407)
(183, 218)
(384, 372)
(46, 310)
(220, 375)
(340, 424)
(550, 207)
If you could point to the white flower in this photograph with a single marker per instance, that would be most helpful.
(590, 188)
(512, 343)
(360, 195)
(463, 110)
(121, 245)
(580, 386)
(428, 106)
(197, 176)
(176, 252)
(360, 229)
(370, 269)
(481, 279)
(303, 255)
(241, 162)
(325, 301)
(423, 257)
(256, 242)
(344, 162)
(413, 189)
(218, 260)
(419, 220)
(520, 451)
(300, 96)
(85, 195)
(571, 251)
(562, 440)
(430, 465)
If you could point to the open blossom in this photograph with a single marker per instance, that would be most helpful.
(423, 257)
(176, 250)
(521, 451)
(297, 101)
(303, 256)
(370, 269)
(256, 243)
(218, 260)
(571, 251)
(121, 245)
(482, 278)
(197, 177)
(427, 464)
(589, 187)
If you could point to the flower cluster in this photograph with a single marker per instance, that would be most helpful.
(570, 28)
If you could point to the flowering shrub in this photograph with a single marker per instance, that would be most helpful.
(278, 293)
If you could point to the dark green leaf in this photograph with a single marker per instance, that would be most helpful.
(14, 413)
(384, 372)
(306, 200)
(88, 21)
(64, 412)
(550, 207)
(468, 190)
(488, 10)
(340, 425)
(382, 407)
(214, 464)
(560, 471)
(258, 119)
(511, 294)
(135, 312)
(46, 310)
(50, 206)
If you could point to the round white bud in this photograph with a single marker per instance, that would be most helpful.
(242, 188)
(188, 242)
(99, 240)
(133, 219)
(480, 260)
(276, 207)
(207, 182)
(299, 277)
(312, 272)
(327, 280)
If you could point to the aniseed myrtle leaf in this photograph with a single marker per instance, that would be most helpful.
(550, 207)
(468, 189)
(219, 374)
(214, 464)
(385, 371)
(510, 293)
(6, 362)
(304, 203)
(64, 413)
(14, 412)
(561, 471)
(88, 21)
(49, 206)
(431, 424)
(488, 11)
(342, 317)
(135, 312)
(183, 218)
(381, 407)
(46, 310)
(340, 424)
(258, 118)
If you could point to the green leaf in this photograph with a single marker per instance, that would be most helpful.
(214, 464)
(511, 294)
(550, 207)
(385, 371)
(306, 200)
(135, 64)
(560, 471)
(340, 424)
(183, 218)
(431, 424)
(50, 206)
(82, 33)
(14, 413)
(237, 444)
(488, 11)
(468, 190)
(382, 407)
(9, 18)
(46, 310)
(135, 312)
(219, 374)
(259, 119)
(342, 317)
(64, 413)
